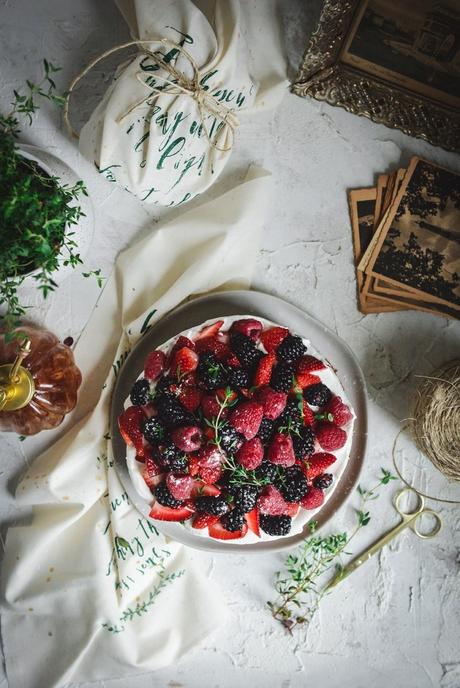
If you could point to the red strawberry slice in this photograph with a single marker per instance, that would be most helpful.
(209, 330)
(307, 414)
(154, 365)
(306, 379)
(281, 450)
(272, 502)
(313, 499)
(341, 414)
(180, 486)
(246, 418)
(329, 436)
(129, 424)
(218, 532)
(167, 513)
(204, 520)
(292, 509)
(252, 519)
(201, 489)
(152, 473)
(264, 370)
(181, 342)
(308, 364)
(190, 398)
(317, 464)
(249, 326)
(222, 394)
(215, 346)
(251, 453)
(273, 402)
(272, 338)
(184, 361)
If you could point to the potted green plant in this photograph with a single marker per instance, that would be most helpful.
(38, 211)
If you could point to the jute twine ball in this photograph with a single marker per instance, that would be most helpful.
(435, 419)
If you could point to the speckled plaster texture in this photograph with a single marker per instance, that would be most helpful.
(395, 622)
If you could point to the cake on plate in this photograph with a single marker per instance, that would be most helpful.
(237, 428)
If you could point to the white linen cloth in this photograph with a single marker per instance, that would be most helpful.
(90, 589)
(155, 137)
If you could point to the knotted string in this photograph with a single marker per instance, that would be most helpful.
(179, 84)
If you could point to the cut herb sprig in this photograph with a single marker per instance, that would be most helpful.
(299, 590)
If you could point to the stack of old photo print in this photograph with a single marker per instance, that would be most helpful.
(406, 235)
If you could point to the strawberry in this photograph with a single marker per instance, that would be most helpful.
(313, 499)
(180, 486)
(188, 439)
(246, 418)
(272, 338)
(214, 346)
(204, 520)
(209, 330)
(273, 403)
(222, 394)
(211, 474)
(190, 398)
(317, 464)
(307, 414)
(329, 436)
(217, 531)
(264, 370)
(281, 451)
(306, 379)
(272, 502)
(211, 407)
(152, 471)
(341, 414)
(154, 365)
(167, 513)
(308, 364)
(180, 343)
(252, 519)
(129, 424)
(249, 326)
(184, 361)
(251, 453)
(200, 489)
(292, 509)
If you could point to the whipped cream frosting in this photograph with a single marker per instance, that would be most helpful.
(327, 376)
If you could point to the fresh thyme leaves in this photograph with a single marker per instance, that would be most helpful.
(218, 423)
(300, 587)
(36, 210)
(243, 476)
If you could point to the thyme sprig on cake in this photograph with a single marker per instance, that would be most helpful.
(301, 587)
(36, 210)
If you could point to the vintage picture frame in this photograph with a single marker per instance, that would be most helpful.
(327, 73)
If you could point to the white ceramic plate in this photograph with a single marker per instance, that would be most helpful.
(252, 303)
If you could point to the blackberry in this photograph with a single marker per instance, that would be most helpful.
(230, 439)
(282, 377)
(317, 395)
(217, 506)
(291, 349)
(266, 429)
(267, 471)
(238, 378)
(245, 497)
(153, 430)
(163, 387)
(172, 413)
(304, 442)
(323, 481)
(294, 485)
(140, 393)
(275, 525)
(291, 417)
(163, 495)
(173, 459)
(246, 351)
(210, 373)
(233, 521)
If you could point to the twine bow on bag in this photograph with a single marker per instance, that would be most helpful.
(178, 84)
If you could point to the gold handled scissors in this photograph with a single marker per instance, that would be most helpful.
(411, 519)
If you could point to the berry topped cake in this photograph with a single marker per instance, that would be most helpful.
(238, 429)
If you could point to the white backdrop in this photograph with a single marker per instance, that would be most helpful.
(396, 621)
